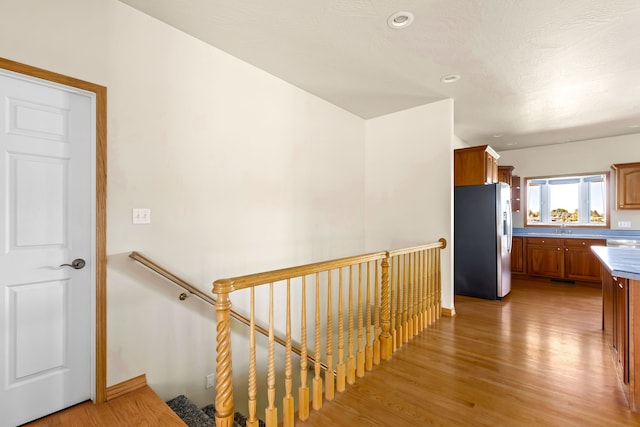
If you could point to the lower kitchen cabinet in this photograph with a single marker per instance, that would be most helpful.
(615, 321)
(561, 258)
(545, 257)
(517, 255)
(621, 316)
(579, 262)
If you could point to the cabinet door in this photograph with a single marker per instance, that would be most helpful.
(579, 262)
(504, 174)
(621, 324)
(515, 193)
(545, 257)
(469, 166)
(608, 305)
(517, 262)
(628, 185)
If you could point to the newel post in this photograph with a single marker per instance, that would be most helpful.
(224, 383)
(386, 344)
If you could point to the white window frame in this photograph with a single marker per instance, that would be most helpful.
(583, 200)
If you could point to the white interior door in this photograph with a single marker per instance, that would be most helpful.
(47, 149)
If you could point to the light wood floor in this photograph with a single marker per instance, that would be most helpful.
(536, 358)
(141, 407)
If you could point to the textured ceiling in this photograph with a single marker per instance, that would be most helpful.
(537, 72)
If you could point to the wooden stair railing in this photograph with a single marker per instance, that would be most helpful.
(192, 290)
(406, 299)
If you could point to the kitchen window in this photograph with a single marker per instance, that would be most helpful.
(562, 201)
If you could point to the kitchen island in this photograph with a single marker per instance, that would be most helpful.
(621, 314)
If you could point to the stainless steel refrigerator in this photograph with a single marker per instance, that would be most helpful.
(482, 240)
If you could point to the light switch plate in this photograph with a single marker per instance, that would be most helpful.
(141, 216)
(624, 224)
(210, 380)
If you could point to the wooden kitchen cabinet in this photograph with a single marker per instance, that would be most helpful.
(579, 262)
(561, 258)
(504, 174)
(621, 320)
(545, 257)
(517, 255)
(620, 326)
(607, 305)
(627, 185)
(515, 193)
(615, 320)
(475, 165)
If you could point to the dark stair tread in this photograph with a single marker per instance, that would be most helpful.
(205, 417)
(190, 413)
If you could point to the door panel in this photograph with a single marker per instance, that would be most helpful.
(46, 210)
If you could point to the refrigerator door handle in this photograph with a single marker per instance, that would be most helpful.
(509, 227)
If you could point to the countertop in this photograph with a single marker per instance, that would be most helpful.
(621, 262)
(577, 233)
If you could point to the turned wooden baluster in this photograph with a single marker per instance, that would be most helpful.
(432, 285)
(423, 279)
(405, 308)
(340, 367)
(399, 300)
(224, 384)
(351, 369)
(416, 295)
(427, 274)
(376, 316)
(439, 281)
(393, 306)
(412, 303)
(368, 350)
(271, 412)
(303, 390)
(420, 325)
(288, 411)
(360, 352)
(329, 380)
(317, 379)
(386, 339)
(252, 421)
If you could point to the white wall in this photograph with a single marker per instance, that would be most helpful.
(242, 172)
(409, 166)
(595, 155)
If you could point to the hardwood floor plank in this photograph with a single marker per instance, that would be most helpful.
(536, 358)
(140, 407)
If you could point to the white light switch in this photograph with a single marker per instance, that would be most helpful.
(141, 216)
(211, 381)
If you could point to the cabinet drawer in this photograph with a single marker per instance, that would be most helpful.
(551, 241)
(583, 243)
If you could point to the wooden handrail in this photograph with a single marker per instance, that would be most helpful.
(415, 285)
(137, 256)
(243, 282)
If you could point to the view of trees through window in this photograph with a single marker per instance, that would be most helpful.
(576, 200)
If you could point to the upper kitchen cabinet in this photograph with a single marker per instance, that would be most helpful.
(475, 166)
(515, 193)
(627, 185)
(504, 174)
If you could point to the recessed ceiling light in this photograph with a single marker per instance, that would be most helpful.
(400, 20)
(450, 78)
(498, 135)
(634, 126)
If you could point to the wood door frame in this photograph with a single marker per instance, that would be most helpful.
(101, 209)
